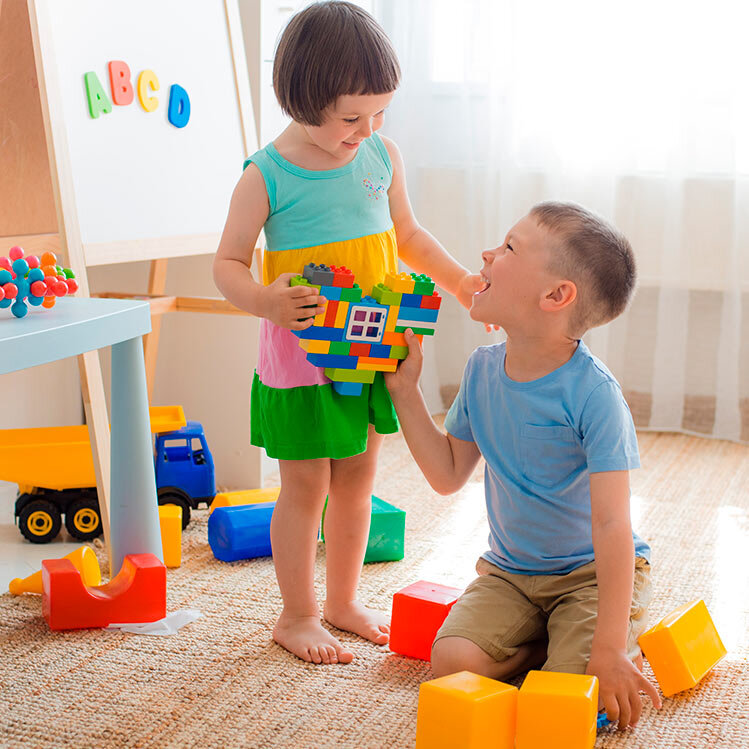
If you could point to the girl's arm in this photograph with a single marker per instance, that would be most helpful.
(279, 302)
(417, 247)
(446, 461)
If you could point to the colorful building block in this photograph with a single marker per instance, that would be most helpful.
(418, 612)
(556, 709)
(364, 333)
(136, 594)
(682, 647)
(170, 522)
(241, 532)
(245, 497)
(466, 711)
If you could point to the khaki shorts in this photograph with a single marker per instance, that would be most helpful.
(499, 611)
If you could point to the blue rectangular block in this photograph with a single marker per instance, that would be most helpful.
(336, 361)
(379, 351)
(240, 532)
(411, 300)
(331, 293)
(319, 333)
(421, 314)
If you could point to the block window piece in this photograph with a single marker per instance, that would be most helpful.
(366, 324)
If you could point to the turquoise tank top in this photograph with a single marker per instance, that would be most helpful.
(309, 208)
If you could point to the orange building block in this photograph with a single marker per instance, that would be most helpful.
(137, 594)
(682, 647)
(418, 612)
(558, 710)
(466, 711)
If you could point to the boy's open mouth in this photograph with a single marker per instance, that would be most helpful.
(487, 284)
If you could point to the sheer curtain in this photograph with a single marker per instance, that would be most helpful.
(639, 112)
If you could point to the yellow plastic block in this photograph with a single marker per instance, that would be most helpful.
(682, 647)
(320, 319)
(392, 320)
(341, 314)
(558, 710)
(401, 282)
(377, 365)
(245, 497)
(311, 346)
(170, 520)
(466, 711)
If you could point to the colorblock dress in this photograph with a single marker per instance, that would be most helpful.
(337, 217)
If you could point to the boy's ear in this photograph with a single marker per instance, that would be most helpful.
(559, 297)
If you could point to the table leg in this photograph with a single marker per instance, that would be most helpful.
(134, 514)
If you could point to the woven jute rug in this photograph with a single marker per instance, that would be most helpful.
(222, 682)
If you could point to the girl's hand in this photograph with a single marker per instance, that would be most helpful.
(406, 377)
(292, 307)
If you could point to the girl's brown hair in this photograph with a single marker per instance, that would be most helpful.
(331, 49)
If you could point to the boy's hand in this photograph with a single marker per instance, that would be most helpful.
(292, 307)
(619, 686)
(409, 369)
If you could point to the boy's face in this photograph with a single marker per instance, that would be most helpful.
(516, 277)
(348, 121)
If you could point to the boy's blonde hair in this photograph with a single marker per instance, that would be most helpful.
(593, 254)
(328, 50)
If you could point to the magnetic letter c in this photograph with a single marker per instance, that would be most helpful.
(147, 80)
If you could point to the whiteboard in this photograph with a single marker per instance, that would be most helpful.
(143, 188)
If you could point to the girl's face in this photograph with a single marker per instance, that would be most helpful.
(347, 122)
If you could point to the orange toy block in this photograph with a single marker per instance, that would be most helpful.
(418, 612)
(466, 711)
(558, 710)
(377, 364)
(170, 522)
(137, 594)
(682, 647)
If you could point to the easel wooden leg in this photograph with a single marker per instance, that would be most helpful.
(156, 287)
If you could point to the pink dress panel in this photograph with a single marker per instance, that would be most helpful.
(282, 363)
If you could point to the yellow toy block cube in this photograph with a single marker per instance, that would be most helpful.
(682, 647)
(392, 320)
(312, 346)
(245, 497)
(341, 314)
(400, 282)
(558, 710)
(466, 711)
(170, 520)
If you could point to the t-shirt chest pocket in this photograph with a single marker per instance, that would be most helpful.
(550, 454)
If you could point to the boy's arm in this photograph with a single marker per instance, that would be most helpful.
(620, 682)
(417, 247)
(446, 461)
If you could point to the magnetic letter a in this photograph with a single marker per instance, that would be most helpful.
(98, 101)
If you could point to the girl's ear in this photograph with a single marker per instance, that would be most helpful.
(558, 297)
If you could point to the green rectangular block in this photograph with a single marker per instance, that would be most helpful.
(365, 376)
(416, 331)
(387, 532)
(351, 295)
(398, 352)
(340, 347)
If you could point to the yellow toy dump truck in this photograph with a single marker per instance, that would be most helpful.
(54, 470)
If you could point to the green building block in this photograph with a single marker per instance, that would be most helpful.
(423, 284)
(350, 375)
(351, 295)
(385, 295)
(302, 281)
(398, 352)
(387, 532)
(340, 347)
(402, 328)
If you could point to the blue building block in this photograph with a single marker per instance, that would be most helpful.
(379, 351)
(333, 361)
(347, 388)
(320, 333)
(240, 532)
(411, 300)
(331, 293)
(421, 314)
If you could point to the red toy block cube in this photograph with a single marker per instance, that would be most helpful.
(418, 612)
(136, 594)
(360, 349)
(431, 302)
(330, 313)
(342, 277)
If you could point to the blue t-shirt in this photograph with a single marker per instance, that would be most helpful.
(541, 441)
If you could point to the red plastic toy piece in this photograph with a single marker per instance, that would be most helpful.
(137, 594)
(418, 612)
(431, 302)
(342, 277)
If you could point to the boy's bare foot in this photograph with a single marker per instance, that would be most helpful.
(305, 637)
(357, 618)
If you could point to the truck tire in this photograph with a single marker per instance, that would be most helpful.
(82, 519)
(40, 521)
(172, 498)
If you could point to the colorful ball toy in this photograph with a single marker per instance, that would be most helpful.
(32, 280)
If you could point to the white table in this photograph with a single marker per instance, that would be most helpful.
(74, 326)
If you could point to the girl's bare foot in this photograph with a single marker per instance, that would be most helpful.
(305, 637)
(355, 617)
